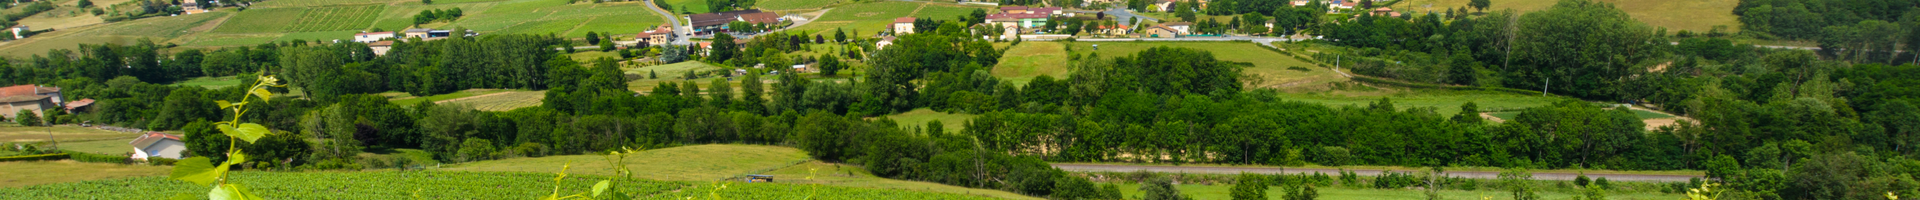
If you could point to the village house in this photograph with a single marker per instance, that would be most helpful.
(28, 97)
(883, 43)
(900, 26)
(19, 31)
(761, 18)
(1114, 29)
(157, 144)
(416, 32)
(380, 48)
(78, 106)
(1384, 12)
(1179, 27)
(1022, 20)
(708, 23)
(371, 37)
(1159, 31)
(659, 35)
(1341, 4)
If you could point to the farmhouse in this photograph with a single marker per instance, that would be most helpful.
(883, 43)
(1384, 12)
(903, 25)
(417, 32)
(1113, 29)
(19, 32)
(78, 106)
(157, 144)
(27, 97)
(659, 35)
(1341, 4)
(1179, 27)
(1160, 31)
(191, 7)
(707, 23)
(371, 37)
(380, 48)
(1300, 2)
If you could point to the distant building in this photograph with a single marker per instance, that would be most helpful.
(1179, 27)
(1384, 12)
(1023, 20)
(760, 18)
(1165, 5)
(901, 26)
(371, 37)
(708, 23)
(659, 35)
(78, 106)
(1160, 31)
(19, 32)
(883, 43)
(380, 48)
(417, 32)
(27, 97)
(157, 144)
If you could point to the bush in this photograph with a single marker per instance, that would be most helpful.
(56, 156)
(1249, 187)
(159, 161)
(96, 158)
(529, 150)
(475, 149)
(1160, 189)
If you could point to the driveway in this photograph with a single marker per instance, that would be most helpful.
(1363, 172)
(681, 29)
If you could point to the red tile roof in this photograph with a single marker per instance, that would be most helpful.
(760, 18)
(382, 43)
(77, 104)
(1017, 16)
(903, 20)
(1047, 10)
(26, 90)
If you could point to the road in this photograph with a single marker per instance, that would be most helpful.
(796, 23)
(681, 31)
(1362, 172)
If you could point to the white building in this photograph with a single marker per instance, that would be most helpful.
(371, 37)
(156, 144)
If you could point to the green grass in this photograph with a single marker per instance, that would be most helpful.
(328, 185)
(668, 73)
(1697, 16)
(103, 146)
(14, 133)
(687, 163)
(866, 18)
(262, 20)
(946, 12)
(544, 27)
(1643, 114)
(855, 176)
(793, 4)
(209, 82)
(1222, 191)
(317, 3)
(1269, 68)
(411, 100)
(1032, 59)
(734, 190)
(621, 25)
(418, 157)
(1445, 102)
(21, 174)
(343, 36)
(233, 40)
(951, 122)
(342, 18)
(502, 101)
(159, 29)
(689, 6)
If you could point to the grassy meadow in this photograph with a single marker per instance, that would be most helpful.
(25, 173)
(951, 122)
(1223, 191)
(1445, 102)
(687, 163)
(501, 101)
(1697, 16)
(15, 133)
(1270, 69)
(1023, 62)
(209, 82)
(409, 100)
(869, 18)
(794, 4)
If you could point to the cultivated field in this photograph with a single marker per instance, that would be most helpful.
(1445, 102)
(1698, 16)
(688, 163)
(404, 99)
(690, 6)
(870, 18)
(1031, 59)
(15, 133)
(1222, 191)
(500, 101)
(1270, 68)
(160, 29)
(25, 173)
(856, 176)
(793, 4)
(362, 184)
(102, 146)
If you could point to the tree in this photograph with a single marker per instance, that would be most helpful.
(1250, 187)
(26, 117)
(1520, 183)
(839, 36)
(753, 93)
(1479, 5)
(1160, 188)
(593, 38)
(830, 65)
(1585, 47)
(723, 48)
(428, 2)
(84, 3)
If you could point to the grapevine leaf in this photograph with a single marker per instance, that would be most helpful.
(230, 192)
(199, 170)
(223, 103)
(247, 131)
(234, 158)
(262, 93)
(617, 195)
(600, 188)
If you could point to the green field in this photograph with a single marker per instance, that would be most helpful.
(265, 20)
(669, 73)
(324, 185)
(341, 18)
(209, 82)
(858, 177)
(688, 6)
(15, 133)
(951, 122)
(1221, 191)
(1269, 68)
(868, 18)
(1031, 59)
(688, 163)
(159, 29)
(1445, 102)
(502, 101)
(102, 146)
(1697, 16)
(25, 173)
(409, 100)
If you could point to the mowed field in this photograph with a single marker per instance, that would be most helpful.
(794, 4)
(15, 133)
(1445, 102)
(869, 18)
(1028, 60)
(1270, 69)
(500, 101)
(1695, 15)
(177, 29)
(687, 163)
(25, 173)
(951, 122)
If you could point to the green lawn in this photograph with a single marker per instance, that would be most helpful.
(687, 163)
(868, 18)
(340, 18)
(1644, 115)
(951, 122)
(209, 82)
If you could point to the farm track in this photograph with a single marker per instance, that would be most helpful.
(1363, 172)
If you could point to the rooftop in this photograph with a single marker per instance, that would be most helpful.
(903, 20)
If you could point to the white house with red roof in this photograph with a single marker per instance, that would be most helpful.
(903, 25)
(157, 144)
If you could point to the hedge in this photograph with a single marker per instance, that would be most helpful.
(56, 156)
(96, 158)
(1438, 86)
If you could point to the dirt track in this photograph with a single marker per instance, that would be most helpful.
(1362, 172)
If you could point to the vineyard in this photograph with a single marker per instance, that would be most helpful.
(343, 185)
(336, 18)
(736, 190)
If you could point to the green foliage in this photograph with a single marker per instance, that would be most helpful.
(396, 185)
(1601, 35)
(96, 158)
(1160, 188)
(1250, 187)
(53, 156)
(1518, 182)
(475, 149)
(26, 117)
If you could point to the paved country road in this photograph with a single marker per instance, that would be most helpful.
(1362, 172)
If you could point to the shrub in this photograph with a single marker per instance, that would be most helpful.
(159, 161)
(1249, 187)
(96, 158)
(1160, 189)
(56, 156)
(529, 150)
(475, 149)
